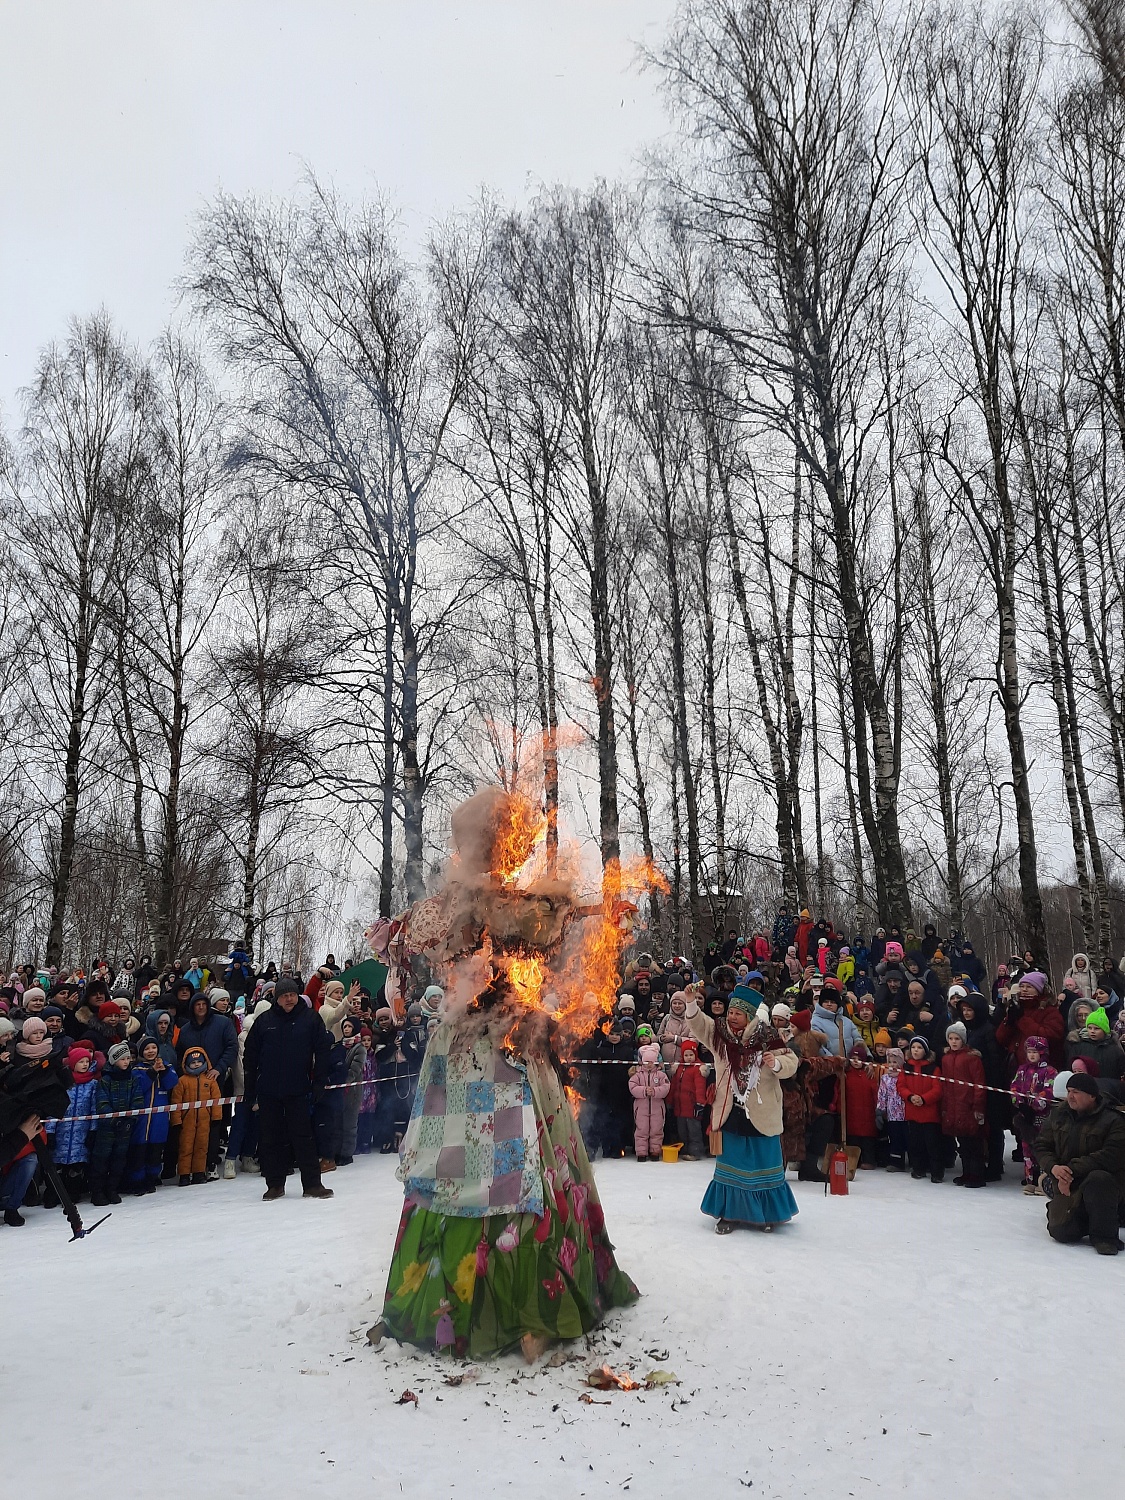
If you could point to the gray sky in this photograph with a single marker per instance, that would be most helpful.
(118, 120)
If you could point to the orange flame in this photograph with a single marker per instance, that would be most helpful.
(517, 838)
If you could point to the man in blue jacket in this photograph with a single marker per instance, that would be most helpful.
(286, 1066)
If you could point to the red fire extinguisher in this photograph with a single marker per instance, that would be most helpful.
(838, 1159)
(838, 1172)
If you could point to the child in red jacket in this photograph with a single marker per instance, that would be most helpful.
(861, 1088)
(919, 1087)
(687, 1094)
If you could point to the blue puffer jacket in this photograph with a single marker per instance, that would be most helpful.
(825, 1021)
(70, 1134)
(156, 1088)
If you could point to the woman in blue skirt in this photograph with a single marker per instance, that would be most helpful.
(749, 1184)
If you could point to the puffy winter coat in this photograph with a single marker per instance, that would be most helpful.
(70, 1135)
(688, 1090)
(861, 1091)
(1094, 1141)
(649, 1083)
(1083, 978)
(1107, 1054)
(117, 1090)
(960, 1105)
(923, 1079)
(1030, 1018)
(825, 1020)
(217, 1037)
(157, 1086)
(671, 1034)
(286, 1053)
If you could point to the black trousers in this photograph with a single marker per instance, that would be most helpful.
(927, 1148)
(285, 1137)
(972, 1152)
(1092, 1208)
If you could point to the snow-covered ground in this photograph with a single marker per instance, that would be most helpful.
(899, 1341)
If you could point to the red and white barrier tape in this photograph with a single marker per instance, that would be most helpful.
(169, 1109)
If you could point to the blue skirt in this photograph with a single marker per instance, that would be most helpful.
(749, 1184)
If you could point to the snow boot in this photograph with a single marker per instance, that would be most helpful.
(198, 1177)
(318, 1192)
(13, 1217)
(185, 1179)
(271, 1194)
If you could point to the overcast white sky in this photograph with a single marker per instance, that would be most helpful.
(119, 118)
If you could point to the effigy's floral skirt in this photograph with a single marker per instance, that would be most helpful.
(475, 1286)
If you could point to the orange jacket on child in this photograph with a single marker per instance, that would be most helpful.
(194, 1090)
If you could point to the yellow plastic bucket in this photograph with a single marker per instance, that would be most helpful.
(671, 1153)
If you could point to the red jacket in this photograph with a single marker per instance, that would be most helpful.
(802, 940)
(960, 1105)
(689, 1088)
(1034, 1020)
(921, 1078)
(861, 1091)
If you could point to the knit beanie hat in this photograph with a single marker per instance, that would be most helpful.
(1099, 1019)
(34, 1042)
(78, 1055)
(893, 950)
(780, 1012)
(117, 1052)
(7, 1028)
(896, 1057)
(1082, 1083)
(109, 1010)
(650, 1055)
(286, 986)
(858, 1051)
(958, 1027)
(922, 1042)
(626, 1002)
(883, 1038)
(645, 1033)
(689, 1051)
(34, 993)
(1036, 980)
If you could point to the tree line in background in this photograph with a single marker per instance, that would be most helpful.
(766, 513)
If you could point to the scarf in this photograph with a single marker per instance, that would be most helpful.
(744, 1057)
(34, 1050)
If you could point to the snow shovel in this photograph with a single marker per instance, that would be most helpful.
(839, 1173)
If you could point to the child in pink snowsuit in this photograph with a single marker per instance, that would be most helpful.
(649, 1086)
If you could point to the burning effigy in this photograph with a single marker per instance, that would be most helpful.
(502, 1239)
